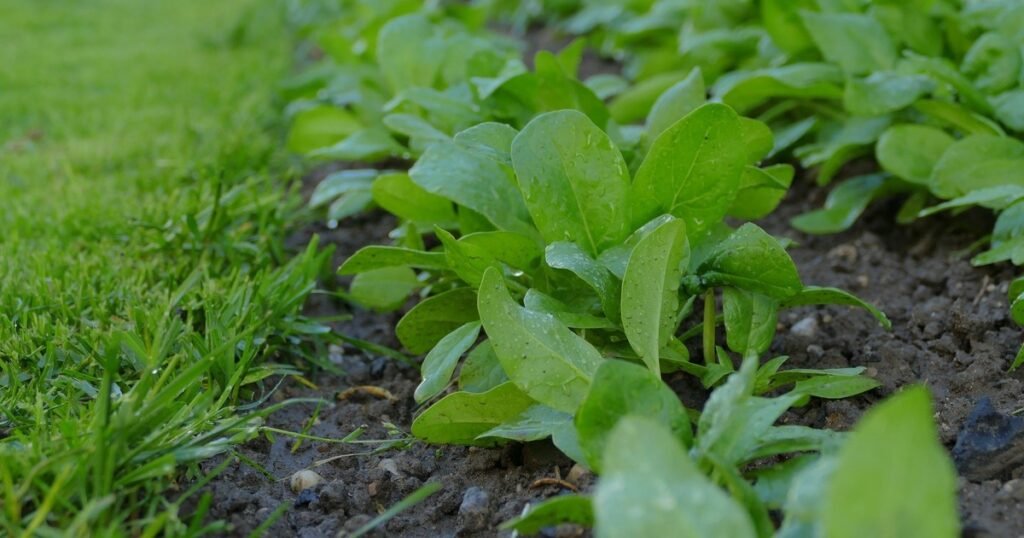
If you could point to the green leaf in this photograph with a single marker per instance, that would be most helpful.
(467, 260)
(781, 19)
(1010, 109)
(439, 365)
(377, 257)
(650, 290)
(752, 260)
(517, 250)
(944, 70)
(460, 417)
(842, 206)
(999, 198)
(408, 53)
(734, 421)
(481, 371)
(339, 183)
(635, 103)
(676, 102)
(1007, 238)
(544, 358)
(569, 317)
(428, 322)
(692, 170)
(883, 92)
(621, 389)
(746, 90)
(750, 320)
(536, 423)
(575, 509)
(835, 387)
(814, 295)
(574, 180)
(957, 116)
(893, 476)
(397, 194)
(472, 177)
(367, 145)
(840, 142)
(993, 62)
(761, 191)
(320, 126)
(976, 162)
(570, 257)
(910, 152)
(857, 43)
(652, 488)
(385, 288)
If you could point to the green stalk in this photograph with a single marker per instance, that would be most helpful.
(709, 327)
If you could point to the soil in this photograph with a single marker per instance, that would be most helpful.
(951, 331)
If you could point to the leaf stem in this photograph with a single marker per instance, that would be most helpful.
(709, 327)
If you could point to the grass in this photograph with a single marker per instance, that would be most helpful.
(143, 278)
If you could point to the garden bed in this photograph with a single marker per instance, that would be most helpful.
(950, 331)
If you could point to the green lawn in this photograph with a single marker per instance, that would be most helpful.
(143, 279)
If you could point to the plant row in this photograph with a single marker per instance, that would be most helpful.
(568, 242)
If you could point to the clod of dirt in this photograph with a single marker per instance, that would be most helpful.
(805, 328)
(305, 479)
(475, 510)
(306, 497)
(989, 444)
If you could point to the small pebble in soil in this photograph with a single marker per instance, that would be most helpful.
(577, 473)
(390, 467)
(306, 497)
(475, 510)
(333, 495)
(815, 351)
(305, 479)
(989, 444)
(805, 328)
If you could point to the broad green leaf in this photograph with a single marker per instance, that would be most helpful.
(439, 365)
(976, 162)
(781, 19)
(676, 102)
(428, 322)
(544, 358)
(416, 128)
(650, 290)
(692, 170)
(621, 389)
(339, 183)
(536, 423)
(574, 180)
(397, 193)
(806, 499)
(552, 512)
(408, 53)
(761, 190)
(958, 116)
(752, 260)
(517, 250)
(835, 387)
(788, 439)
(460, 417)
(385, 288)
(377, 257)
(1007, 238)
(993, 62)
(910, 151)
(842, 206)
(746, 90)
(893, 477)
(467, 260)
(1010, 109)
(367, 145)
(451, 110)
(481, 371)
(491, 139)
(857, 43)
(350, 203)
(472, 178)
(650, 487)
(616, 258)
(750, 320)
(570, 257)
(944, 70)
(912, 24)
(756, 139)
(569, 317)
(840, 142)
(635, 103)
(999, 198)
(814, 295)
(320, 126)
(883, 92)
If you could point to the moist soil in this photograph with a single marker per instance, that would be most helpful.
(950, 332)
